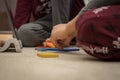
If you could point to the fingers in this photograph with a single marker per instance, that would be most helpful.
(59, 37)
(54, 43)
(60, 43)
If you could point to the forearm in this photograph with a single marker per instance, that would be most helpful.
(70, 28)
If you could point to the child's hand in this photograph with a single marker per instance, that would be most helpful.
(60, 36)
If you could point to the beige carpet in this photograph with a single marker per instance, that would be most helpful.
(68, 66)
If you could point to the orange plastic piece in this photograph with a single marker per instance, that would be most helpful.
(48, 43)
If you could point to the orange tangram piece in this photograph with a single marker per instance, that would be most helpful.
(48, 43)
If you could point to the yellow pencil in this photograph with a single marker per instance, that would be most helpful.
(47, 54)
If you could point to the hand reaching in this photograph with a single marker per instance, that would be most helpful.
(60, 36)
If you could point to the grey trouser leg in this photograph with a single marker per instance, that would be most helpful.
(33, 34)
(60, 11)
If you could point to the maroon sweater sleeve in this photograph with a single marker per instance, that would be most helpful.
(23, 12)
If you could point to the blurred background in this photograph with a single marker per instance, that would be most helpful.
(4, 26)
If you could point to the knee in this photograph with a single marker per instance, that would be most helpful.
(32, 34)
(27, 35)
(23, 29)
(24, 35)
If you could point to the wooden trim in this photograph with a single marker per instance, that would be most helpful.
(5, 36)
